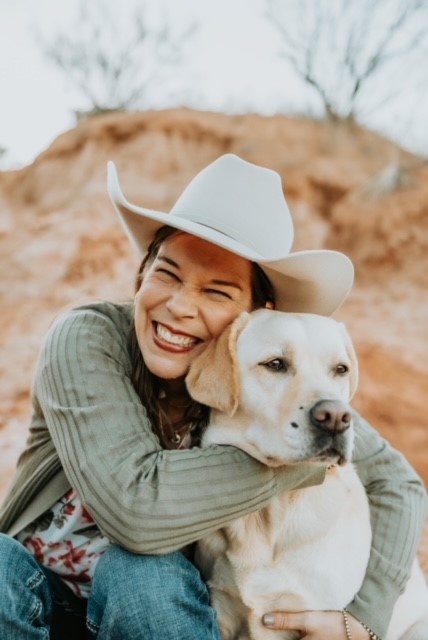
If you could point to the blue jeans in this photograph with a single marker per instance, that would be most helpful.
(133, 597)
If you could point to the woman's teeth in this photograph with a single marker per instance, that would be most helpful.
(173, 338)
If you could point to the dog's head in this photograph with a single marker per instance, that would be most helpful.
(279, 386)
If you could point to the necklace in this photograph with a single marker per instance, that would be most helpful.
(172, 436)
(174, 431)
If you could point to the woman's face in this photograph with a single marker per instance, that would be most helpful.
(188, 295)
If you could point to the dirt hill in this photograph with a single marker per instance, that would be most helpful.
(348, 189)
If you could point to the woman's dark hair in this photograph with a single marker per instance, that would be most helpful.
(146, 384)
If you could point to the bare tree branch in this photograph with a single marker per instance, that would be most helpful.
(345, 48)
(113, 72)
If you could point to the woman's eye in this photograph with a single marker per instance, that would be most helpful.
(277, 364)
(217, 292)
(166, 274)
(341, 369)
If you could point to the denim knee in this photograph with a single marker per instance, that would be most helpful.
(136, 596)
(25, 598)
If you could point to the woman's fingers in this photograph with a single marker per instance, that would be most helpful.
(319, 625)
(280, 620)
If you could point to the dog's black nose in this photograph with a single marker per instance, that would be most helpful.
(331, 415)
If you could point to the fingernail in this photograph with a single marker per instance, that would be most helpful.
(268, 619)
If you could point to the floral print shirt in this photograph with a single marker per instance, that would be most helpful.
(66, 540)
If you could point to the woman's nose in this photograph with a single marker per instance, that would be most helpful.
(183, 303)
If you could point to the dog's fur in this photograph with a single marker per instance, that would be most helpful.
(309, 548)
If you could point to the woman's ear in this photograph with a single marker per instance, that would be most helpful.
(213, 377)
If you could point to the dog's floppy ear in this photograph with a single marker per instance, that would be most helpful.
(213, 376)
(353, 383)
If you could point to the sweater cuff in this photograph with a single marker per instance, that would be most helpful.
(365, 606)
(294, 477)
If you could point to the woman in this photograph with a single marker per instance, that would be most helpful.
(109, 495)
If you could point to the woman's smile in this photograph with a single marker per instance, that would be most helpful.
(166, 338)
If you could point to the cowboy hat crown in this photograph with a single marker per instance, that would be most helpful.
(241, 207)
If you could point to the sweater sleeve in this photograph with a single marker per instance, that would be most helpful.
(142, 497)
(397, 499)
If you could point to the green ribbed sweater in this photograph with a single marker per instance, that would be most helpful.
(89, 430)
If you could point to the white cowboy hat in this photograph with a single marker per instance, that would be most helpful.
(241, 207)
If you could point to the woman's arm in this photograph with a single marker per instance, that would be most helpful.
(398, 504)
(144, 498)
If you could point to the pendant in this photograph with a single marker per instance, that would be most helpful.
(176, 438)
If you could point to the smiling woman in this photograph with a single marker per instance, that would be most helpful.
(113, 489)
(231, 283)
(188, 291)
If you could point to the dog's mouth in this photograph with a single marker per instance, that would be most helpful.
(328, 450)
(320, 448)
(332, 455)
(331, 448)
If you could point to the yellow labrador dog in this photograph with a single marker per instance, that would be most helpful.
(279, 386)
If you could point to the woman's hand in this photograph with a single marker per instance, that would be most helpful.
(317, 625)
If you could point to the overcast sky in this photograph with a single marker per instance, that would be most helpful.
(232, 65)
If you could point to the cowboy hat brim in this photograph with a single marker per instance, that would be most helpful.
(316, 281)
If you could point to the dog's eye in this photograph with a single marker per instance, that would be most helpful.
(277, 364)
(341, 369)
